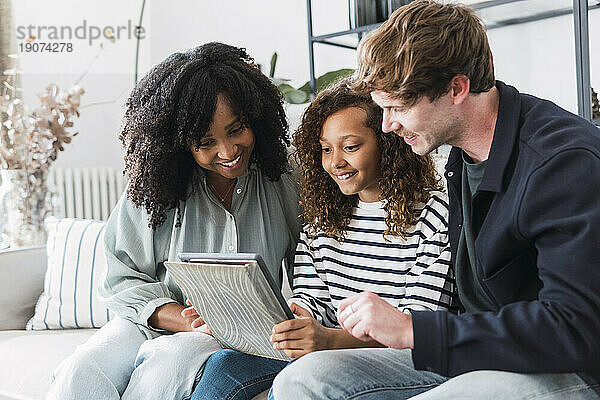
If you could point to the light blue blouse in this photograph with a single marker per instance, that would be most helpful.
(264, 219)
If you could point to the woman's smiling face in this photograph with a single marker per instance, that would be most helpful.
(226, 148)
(350, 155)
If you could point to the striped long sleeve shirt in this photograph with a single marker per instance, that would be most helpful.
(411, 274)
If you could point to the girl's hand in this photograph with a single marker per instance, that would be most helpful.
(197, 324)
(300, 336)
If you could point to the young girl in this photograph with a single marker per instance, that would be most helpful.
(376, 221)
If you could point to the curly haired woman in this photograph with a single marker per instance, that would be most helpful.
(205, 137)
(376, 221)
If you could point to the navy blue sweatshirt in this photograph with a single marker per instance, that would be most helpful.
(536, 215)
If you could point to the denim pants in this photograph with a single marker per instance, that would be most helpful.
(229, 374)
(368, 374)
(512, 385)
(118, 362)
(353, 374)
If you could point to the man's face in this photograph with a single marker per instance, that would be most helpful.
(424, 126)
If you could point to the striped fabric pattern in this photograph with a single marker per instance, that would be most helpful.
(76, 268)
(411, 274)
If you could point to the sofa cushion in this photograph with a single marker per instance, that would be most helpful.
(76, 267)
(29, 358)
(21, 282)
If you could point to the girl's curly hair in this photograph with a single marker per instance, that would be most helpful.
(171, 109)
(406, 178)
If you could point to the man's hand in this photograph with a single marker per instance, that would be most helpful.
(367, 316)
(300, 336)
(197, 324)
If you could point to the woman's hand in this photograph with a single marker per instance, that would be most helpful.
(196, 323)
(169, 317)
(300, 336)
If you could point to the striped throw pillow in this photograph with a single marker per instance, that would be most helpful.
(76, 268)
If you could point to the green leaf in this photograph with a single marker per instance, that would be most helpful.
(291, 95)
(284, 88)
(295, 96)
(273, 65)
(327, 79)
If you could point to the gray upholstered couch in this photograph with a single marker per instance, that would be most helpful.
(27, 358)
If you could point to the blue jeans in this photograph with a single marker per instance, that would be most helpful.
(229, 374)
(511, 385)
(353, 374)
(369, 374)
(119, 363)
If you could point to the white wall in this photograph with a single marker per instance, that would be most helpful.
(261, 26)
(109, 78)
(537, 57)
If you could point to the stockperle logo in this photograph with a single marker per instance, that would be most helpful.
(37, 38)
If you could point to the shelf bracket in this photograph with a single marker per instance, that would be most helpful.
(311, 49)
(582, 59)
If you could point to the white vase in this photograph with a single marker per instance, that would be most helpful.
(25, 202)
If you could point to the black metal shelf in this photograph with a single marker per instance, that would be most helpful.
(326, 39)
(579, 10)
(536, 17)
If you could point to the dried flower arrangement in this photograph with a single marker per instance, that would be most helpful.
(29, 143)
(31, 140)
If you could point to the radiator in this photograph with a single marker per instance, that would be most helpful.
(86, 192)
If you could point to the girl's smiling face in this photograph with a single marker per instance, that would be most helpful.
(350, 155)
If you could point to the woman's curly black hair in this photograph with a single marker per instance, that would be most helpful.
(171, 109)
(406, 178)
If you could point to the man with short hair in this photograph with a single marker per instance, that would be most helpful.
(524, 229)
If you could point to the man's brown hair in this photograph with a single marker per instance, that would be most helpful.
(418, 50)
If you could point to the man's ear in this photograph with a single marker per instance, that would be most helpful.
(459, 88)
